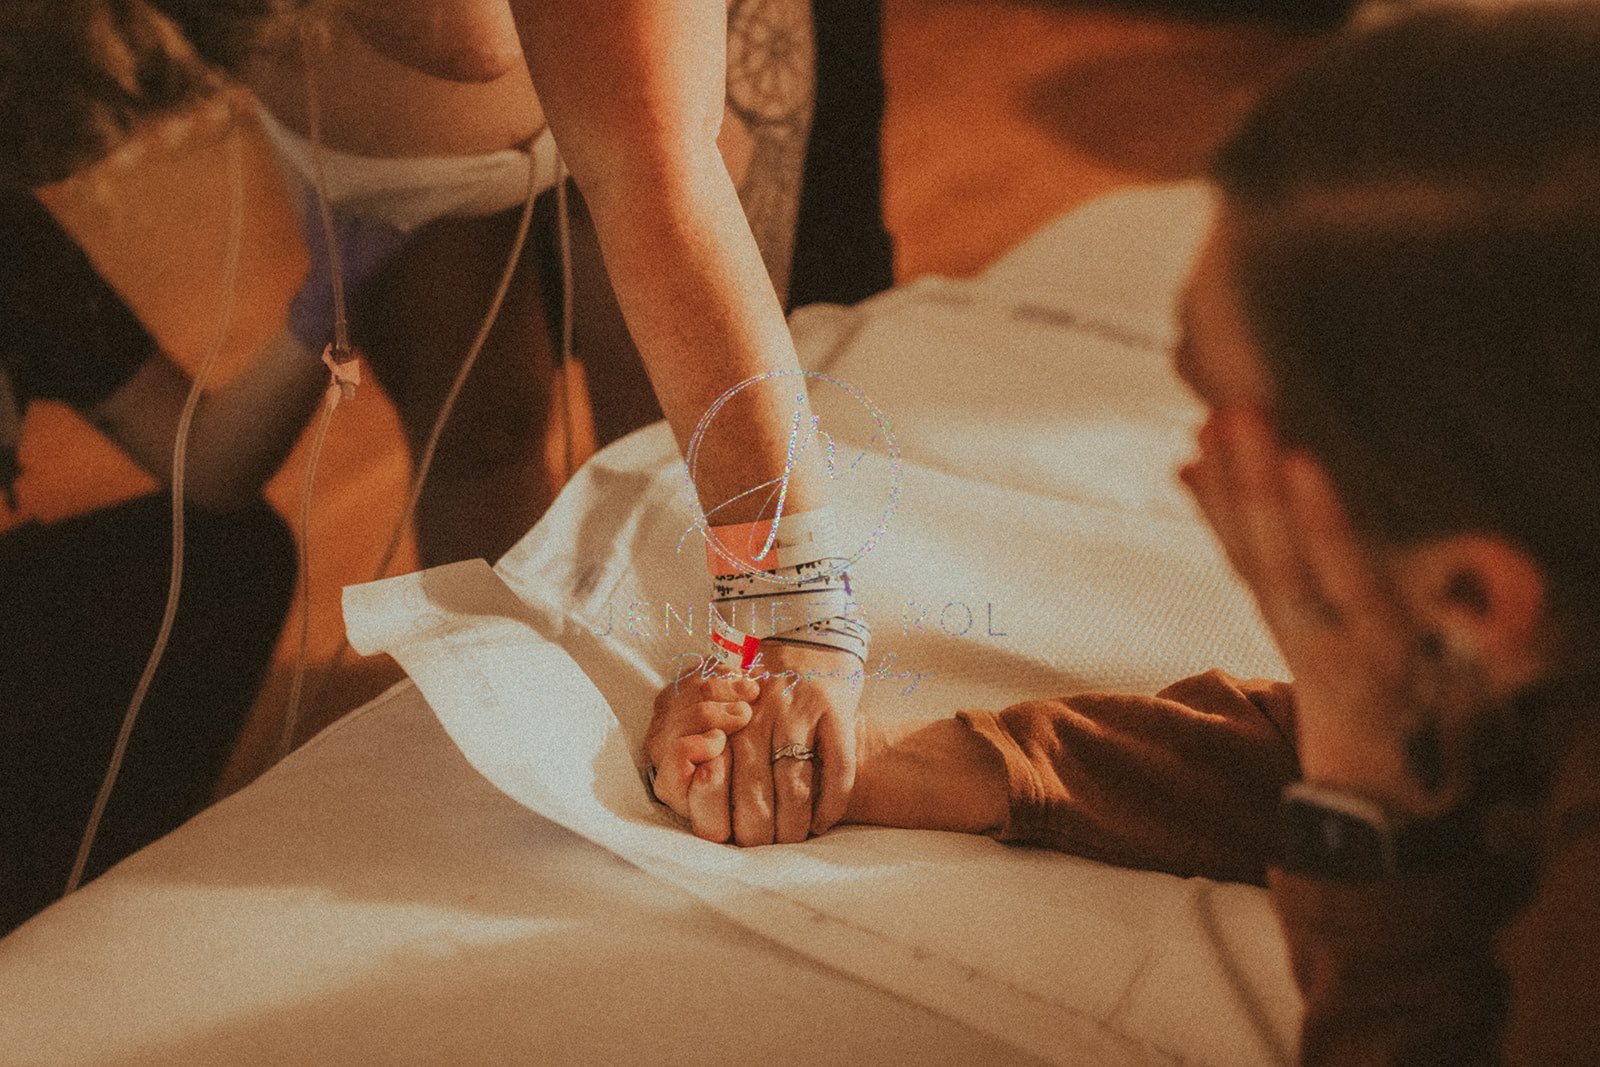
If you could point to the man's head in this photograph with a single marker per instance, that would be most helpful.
(1405, 278)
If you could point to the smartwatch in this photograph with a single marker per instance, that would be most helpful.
(1327, 833)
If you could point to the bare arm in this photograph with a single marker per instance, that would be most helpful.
(634, 92)
(929, 776)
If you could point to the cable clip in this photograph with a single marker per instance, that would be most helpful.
(343, 368)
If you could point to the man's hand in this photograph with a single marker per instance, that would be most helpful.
(809, 696)
(687, 743)
(1335, 614)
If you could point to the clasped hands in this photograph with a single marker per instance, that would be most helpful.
(714, 735)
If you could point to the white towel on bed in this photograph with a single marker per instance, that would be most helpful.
(1039, 546)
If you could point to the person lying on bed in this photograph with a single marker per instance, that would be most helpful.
(1395, 326)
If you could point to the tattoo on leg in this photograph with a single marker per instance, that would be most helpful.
(771, 89)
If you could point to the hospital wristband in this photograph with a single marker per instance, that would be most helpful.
(794, 563)
(746, 547)
(737, 649)
(842, 633)
(770, 614)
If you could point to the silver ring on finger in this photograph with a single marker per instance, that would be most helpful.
(795, 751)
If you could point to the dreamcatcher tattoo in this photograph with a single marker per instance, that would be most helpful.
(771, 88)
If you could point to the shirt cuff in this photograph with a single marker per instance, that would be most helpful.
(1026, 815)
(1398, 970)
(1369, 924)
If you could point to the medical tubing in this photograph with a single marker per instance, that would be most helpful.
(341, 325)
(291, 714)
(339, 351)
(424, 463)
(432, 446)
(180, 451)
(564, 232)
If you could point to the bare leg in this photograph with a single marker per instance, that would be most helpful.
(488, 482)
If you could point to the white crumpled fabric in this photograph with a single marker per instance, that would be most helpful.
(1039, 546)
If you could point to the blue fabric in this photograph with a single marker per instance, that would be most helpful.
(365, 245)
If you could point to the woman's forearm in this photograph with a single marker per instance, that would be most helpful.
(696, 296)
(634, 92)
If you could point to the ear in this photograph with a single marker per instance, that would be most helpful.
(1481, 593)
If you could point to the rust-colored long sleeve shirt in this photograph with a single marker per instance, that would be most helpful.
(1497, 961)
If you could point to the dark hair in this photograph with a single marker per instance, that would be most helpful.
(1414, 223)
(1296, 16)
(76, 76)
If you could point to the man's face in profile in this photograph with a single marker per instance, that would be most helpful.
(1216, 356)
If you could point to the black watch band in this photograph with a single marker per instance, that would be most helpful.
(1328, 833)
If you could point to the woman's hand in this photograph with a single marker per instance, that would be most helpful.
(687, 744)
(809, 697)
(713, 735)
(1363, 720)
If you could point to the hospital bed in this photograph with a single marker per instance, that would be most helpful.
(468, 869)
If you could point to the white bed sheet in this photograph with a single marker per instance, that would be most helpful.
(373, 901)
